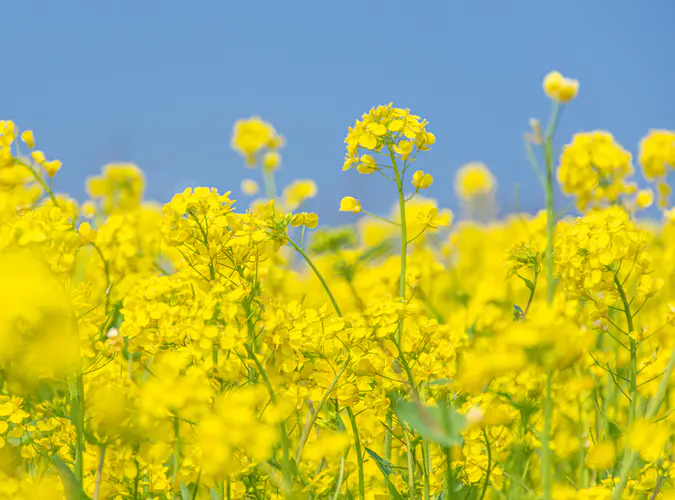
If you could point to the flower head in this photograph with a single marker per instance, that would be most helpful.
(422, 180)
(657, 153)
(350, 204)
(310, 220)
(252, 135)
(474, 179)
(559, 88)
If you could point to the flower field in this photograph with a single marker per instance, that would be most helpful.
(210, 349)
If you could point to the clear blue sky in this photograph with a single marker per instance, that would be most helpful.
(160, 83)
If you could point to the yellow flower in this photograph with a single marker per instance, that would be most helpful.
(120, 187)
(367, 165)
(87, 232)
(271, 160)
(28, 138)
(386, 126)
(297, 192)
(664, 191)
(595, 169)
(657, 152)
(249, 187)
(88, 209)
(36, 331)
(349, 204)
(559, 88)
(422, 180)
(404, 148)
(310, 220)
(669, 214)
(566, 444)
(39, 157)
(52, 167)
(474, 179)
(251, 136)
(649, 439)
(601, 456)
(644, 198)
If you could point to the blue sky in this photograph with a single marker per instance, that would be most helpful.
(161, 83)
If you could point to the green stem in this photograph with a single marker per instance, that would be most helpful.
(286, 461)
(307, 430)
(359, 456)
(532, 292)
(176, 450)
(318, 275)
(545, 440)
(411, 465)
(106, 270)
(449, 479)
(633, 350)
(40, 180)
(99, 473)
(388, 440)
(270, 185)
(489, 465)
(77, 417)
(550, 229)
(380, 218)
(404, 229)
(449, 475)
(426, 454)
(341, 477)
(652, 410)
(404, 258)
(550, 202)
(533, 161)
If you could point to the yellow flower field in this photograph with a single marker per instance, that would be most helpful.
(205, 349)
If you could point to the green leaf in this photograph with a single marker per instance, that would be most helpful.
(440, 381)
(440, 424)
(471, 330)
(528, 283)
(393, 492)
(70, 483)
(374, 252)
(382, 463)
(340, 424)
(185, 492)
(195, 488)
(386, 468)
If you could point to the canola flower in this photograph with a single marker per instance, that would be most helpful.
(203, 349)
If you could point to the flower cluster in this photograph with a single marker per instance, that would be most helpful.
(560, 88)
(595, 169)
(206, 349)
(254, 136)
(394, 131)
(657, 153)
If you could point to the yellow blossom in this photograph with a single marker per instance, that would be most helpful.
(559, 88)
(474, 179)
(250, 187)
(52, 167)
(422, 180)
(28, 138)
(350, 204)
(310, 220)
(298, 192)
(271, 160)
(644, 198)
(601, 456)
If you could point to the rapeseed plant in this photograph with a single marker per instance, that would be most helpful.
(202, 349)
